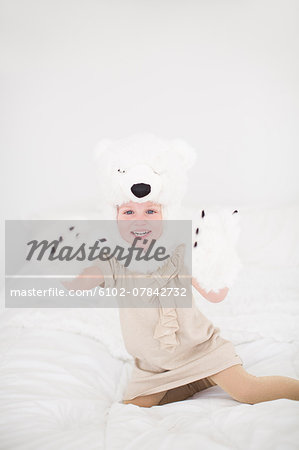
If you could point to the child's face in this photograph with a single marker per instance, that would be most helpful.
(142, 220)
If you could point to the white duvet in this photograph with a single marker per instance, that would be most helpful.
(63, 371)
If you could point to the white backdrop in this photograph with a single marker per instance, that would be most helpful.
(221, 74)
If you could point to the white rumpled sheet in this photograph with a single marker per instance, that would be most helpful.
(63, 371)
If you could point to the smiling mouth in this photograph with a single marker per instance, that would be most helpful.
(141, 233)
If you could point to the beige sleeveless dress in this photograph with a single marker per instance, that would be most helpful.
(171, 346)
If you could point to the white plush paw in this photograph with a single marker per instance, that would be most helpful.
(215, 261)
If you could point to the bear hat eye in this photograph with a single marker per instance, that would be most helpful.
(121, 171)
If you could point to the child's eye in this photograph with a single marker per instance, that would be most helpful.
(129, 212)
(151, 210)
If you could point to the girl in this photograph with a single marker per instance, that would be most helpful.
(177, 351)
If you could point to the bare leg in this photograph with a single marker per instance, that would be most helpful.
(247, 388)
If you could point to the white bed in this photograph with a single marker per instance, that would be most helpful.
(63, 371)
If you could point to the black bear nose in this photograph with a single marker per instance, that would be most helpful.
(141, 189)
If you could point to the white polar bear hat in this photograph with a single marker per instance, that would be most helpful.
(141, 168)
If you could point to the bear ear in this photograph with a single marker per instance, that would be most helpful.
(101, 148)
(185, 152)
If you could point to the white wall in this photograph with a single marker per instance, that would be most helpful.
(221, 74)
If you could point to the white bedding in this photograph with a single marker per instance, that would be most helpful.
(63, 372)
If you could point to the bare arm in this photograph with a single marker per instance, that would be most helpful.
(87, 279)
(211, 296)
